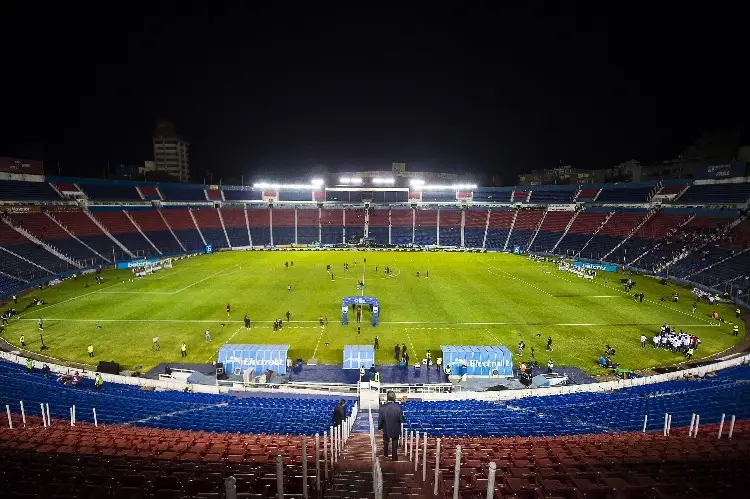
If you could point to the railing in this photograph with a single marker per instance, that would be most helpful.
(377, 473)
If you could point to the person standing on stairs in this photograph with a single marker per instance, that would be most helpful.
(339, 413)
(390, 421)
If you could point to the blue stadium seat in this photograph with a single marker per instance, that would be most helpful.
(473, 237)
(14, 190)
(401, 235)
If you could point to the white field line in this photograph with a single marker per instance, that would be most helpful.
(322, 330)
(216, 321)
(229, 340)
(37, 310)
(506, 274)
(692, 316)
(411, 344)
(493, 336)
(171, 292)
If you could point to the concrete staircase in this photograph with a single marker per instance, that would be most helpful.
(609, 215)
(352, 475)
(648, 216)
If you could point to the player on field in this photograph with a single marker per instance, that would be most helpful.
(155, 344)
(207, 336)
(228, 308)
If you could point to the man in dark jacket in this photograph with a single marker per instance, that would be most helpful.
(339, 413)
(390, 421)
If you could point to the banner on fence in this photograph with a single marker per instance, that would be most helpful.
(605, 267)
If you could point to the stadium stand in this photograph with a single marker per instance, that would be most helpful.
(618, 227)
(186, 192)
(379, 225)
(308, 225)
(18, 190)
(46, 230)
(475, 225)
(110, 192)
(549, 195)
(520, 196)
(153, 226)
(258, 220)
(120, 226)
(583, 227)
(590, 412)
(236, 225)
(587, 195)
(29, 252)
(402, 226)
(283, 226)
(716, 194)
(234, 193)
(551, 230)
(213, 195)
(149, 192)
(649, 235)
(183, 226)
(450, 227)
(79, 224)
(210, 226)
(616, 193)
(295, 195)
(498, 228)
(524, 228)
(332, 226)
(425, 227)
(355, 225)
(439, 196)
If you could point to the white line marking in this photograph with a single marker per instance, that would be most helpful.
(229, 340)
(205, 279)
(518, 279)
(322, 330)
(37, 310)
(411, 344)
(493, 336)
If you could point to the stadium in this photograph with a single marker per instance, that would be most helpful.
(587, 340)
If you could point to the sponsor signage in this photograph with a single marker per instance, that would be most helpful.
(136, 263)
(494, 360)
(255, 358)
(21, 209)
(720, 171)
(604, 267)
(561, 207)
(23, 166)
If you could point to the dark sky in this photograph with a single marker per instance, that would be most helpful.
(273, 90)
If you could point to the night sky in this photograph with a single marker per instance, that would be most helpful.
(271, 91)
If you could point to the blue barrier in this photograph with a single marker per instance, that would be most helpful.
(258, 358)
(356, 356)
(494, 360)
(605, 267)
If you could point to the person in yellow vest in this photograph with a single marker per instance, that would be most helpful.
(23, 341)
(183, 349)
(98, 382)
(439, 363)
(376, 377)
(735, 330)
(737, 312)
(91, 351)
(29, 365)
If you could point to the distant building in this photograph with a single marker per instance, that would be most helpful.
(561, 175)
(171, 152)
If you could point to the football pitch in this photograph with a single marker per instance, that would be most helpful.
(468, 299)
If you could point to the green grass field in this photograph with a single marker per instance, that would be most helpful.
(469, 299)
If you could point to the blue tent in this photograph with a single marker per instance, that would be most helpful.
(356, 356)
(494, 360)
(239, 358)
(359, 300)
